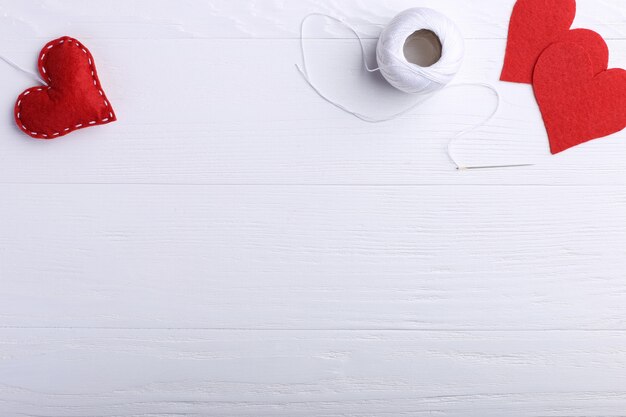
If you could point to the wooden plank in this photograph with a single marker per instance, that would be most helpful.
(227, 19)
(326, 373)
(275, 257)
(245, 116)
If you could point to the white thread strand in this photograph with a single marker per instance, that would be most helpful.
(408, 77)
(473, 128)
(303, 70)
(361, 116)
(29, 73)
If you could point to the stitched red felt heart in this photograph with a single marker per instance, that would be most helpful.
(577, 103)
(73, 98)
(535, 25)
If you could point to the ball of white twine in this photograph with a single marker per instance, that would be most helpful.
(410, 77)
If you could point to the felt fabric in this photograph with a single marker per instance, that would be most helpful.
(593, 43)
(73, 98)
(578, 104)
(534, 25)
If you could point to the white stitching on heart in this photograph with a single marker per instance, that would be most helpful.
(43, 69)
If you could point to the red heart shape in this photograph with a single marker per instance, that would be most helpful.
(577, 103)
(535, 25)
(73, 98)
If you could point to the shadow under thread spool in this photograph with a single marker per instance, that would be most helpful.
(420, 51)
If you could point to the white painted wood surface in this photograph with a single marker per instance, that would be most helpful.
(234, 246)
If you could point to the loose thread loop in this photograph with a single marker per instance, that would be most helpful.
(473, 128)
(341, 22)
(305, 75)
(31, 74)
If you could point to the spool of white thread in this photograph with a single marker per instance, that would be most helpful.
(408, 74)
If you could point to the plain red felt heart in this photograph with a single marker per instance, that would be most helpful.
(73, 98)
(577, 103)
(535, 25)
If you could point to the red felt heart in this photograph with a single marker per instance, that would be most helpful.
(577, 103)
(535, 25)
(73, 98)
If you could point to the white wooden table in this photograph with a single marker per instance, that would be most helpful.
(235, 246)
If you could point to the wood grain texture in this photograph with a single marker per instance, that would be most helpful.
(248, 19)
(234, 246)
(429, 257)
(321, 373)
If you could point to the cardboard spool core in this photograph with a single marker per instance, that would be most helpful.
(422, 48)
